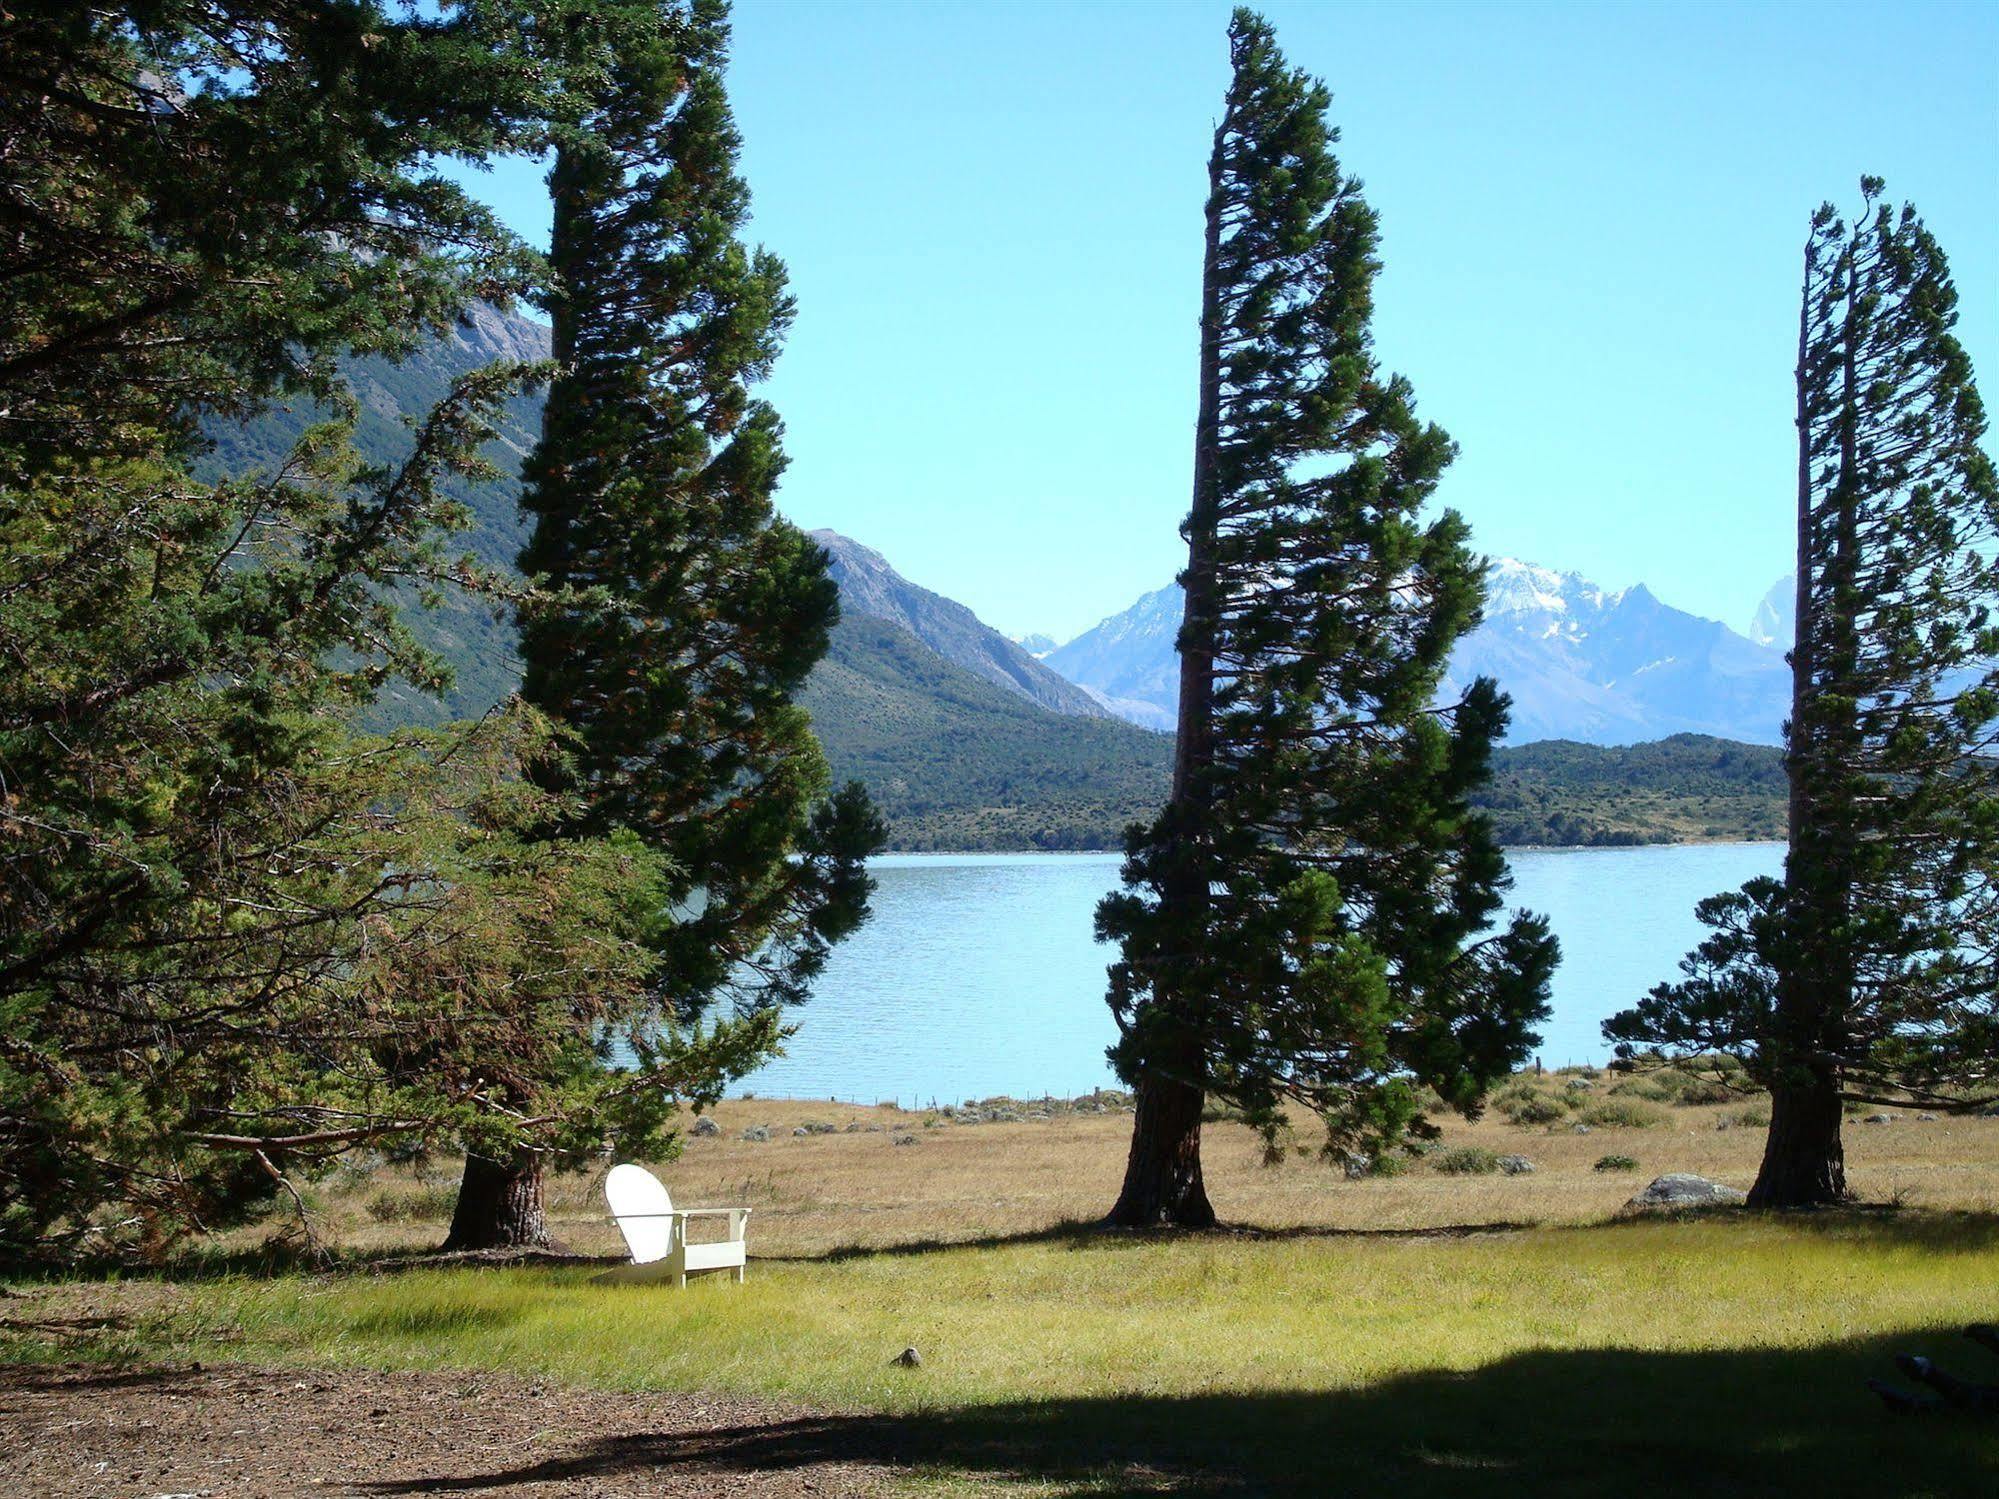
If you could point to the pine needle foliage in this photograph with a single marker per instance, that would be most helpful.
(1309, 921)
(1871, 970)
(682, 614)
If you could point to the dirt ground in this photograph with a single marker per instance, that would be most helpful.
(251, 1431)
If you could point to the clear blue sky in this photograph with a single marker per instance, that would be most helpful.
(1592, 219)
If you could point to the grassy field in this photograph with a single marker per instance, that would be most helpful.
(1426, 1332)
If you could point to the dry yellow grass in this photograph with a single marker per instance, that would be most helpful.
(815, 1194)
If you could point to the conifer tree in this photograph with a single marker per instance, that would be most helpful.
(681, 613)
(1307, 921)
(218, 949)
(1870, 972)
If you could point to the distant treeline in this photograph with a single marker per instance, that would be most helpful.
(1557, 793)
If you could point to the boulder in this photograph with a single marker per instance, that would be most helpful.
(1516, 1165)
(1680, 1189)
(1879, 1119)
(757, 1132)
(706, 1128)
(905, 1139)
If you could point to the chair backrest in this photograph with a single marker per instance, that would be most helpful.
(639, 1204)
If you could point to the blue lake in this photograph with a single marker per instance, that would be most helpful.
(979, 975)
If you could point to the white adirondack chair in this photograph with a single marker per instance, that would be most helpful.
(656, 1233)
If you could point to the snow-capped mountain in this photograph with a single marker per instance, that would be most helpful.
(1035, 644)
(1580, 661)
(1775, 622)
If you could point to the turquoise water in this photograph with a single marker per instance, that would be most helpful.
(979, 975)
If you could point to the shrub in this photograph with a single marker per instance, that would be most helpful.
(1700, 1091)
(1359, 1165)
(1751, 1118)
(1652, 1088)
(1623, 1113)
(424, 1205)
(1614, 1163)
(1467, 1160)
(1689, 1091)
(1533, 1108)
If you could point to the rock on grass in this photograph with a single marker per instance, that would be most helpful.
(1679, 1189)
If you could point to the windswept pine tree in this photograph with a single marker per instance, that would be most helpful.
(681, 614)
(1307, 923)
(1871, 971)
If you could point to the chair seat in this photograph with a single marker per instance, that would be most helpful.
(726, 1255)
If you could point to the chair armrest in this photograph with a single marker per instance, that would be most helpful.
(707, 1212)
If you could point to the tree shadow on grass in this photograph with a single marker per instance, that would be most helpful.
(1723, 1423)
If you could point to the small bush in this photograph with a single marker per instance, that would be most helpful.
(1534, 1108)
(1688, 1091)
(1467, 1160)
(1653, 1089)
(1614, 1163)
(1750, 1118)
(1623, 1113)
(425, 1205)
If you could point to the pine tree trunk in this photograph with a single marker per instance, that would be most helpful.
(501, 1205)
(1804, 1163)
(1162, 1175)
(1162, 1181)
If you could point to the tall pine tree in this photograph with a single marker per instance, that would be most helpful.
(682, 614)
(1871, 971)
(1307, 921)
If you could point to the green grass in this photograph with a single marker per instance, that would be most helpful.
(1717, 1357)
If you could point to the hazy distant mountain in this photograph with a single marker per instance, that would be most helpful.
(868, 585)
(948, 723)
(1580, 661)
(1035, 644)
(1775, 622)
(1128, 663)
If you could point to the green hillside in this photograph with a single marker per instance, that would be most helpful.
(958, 763)
(1689, 788)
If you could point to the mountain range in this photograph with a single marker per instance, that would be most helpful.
(1580, 661)
(969, 740)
